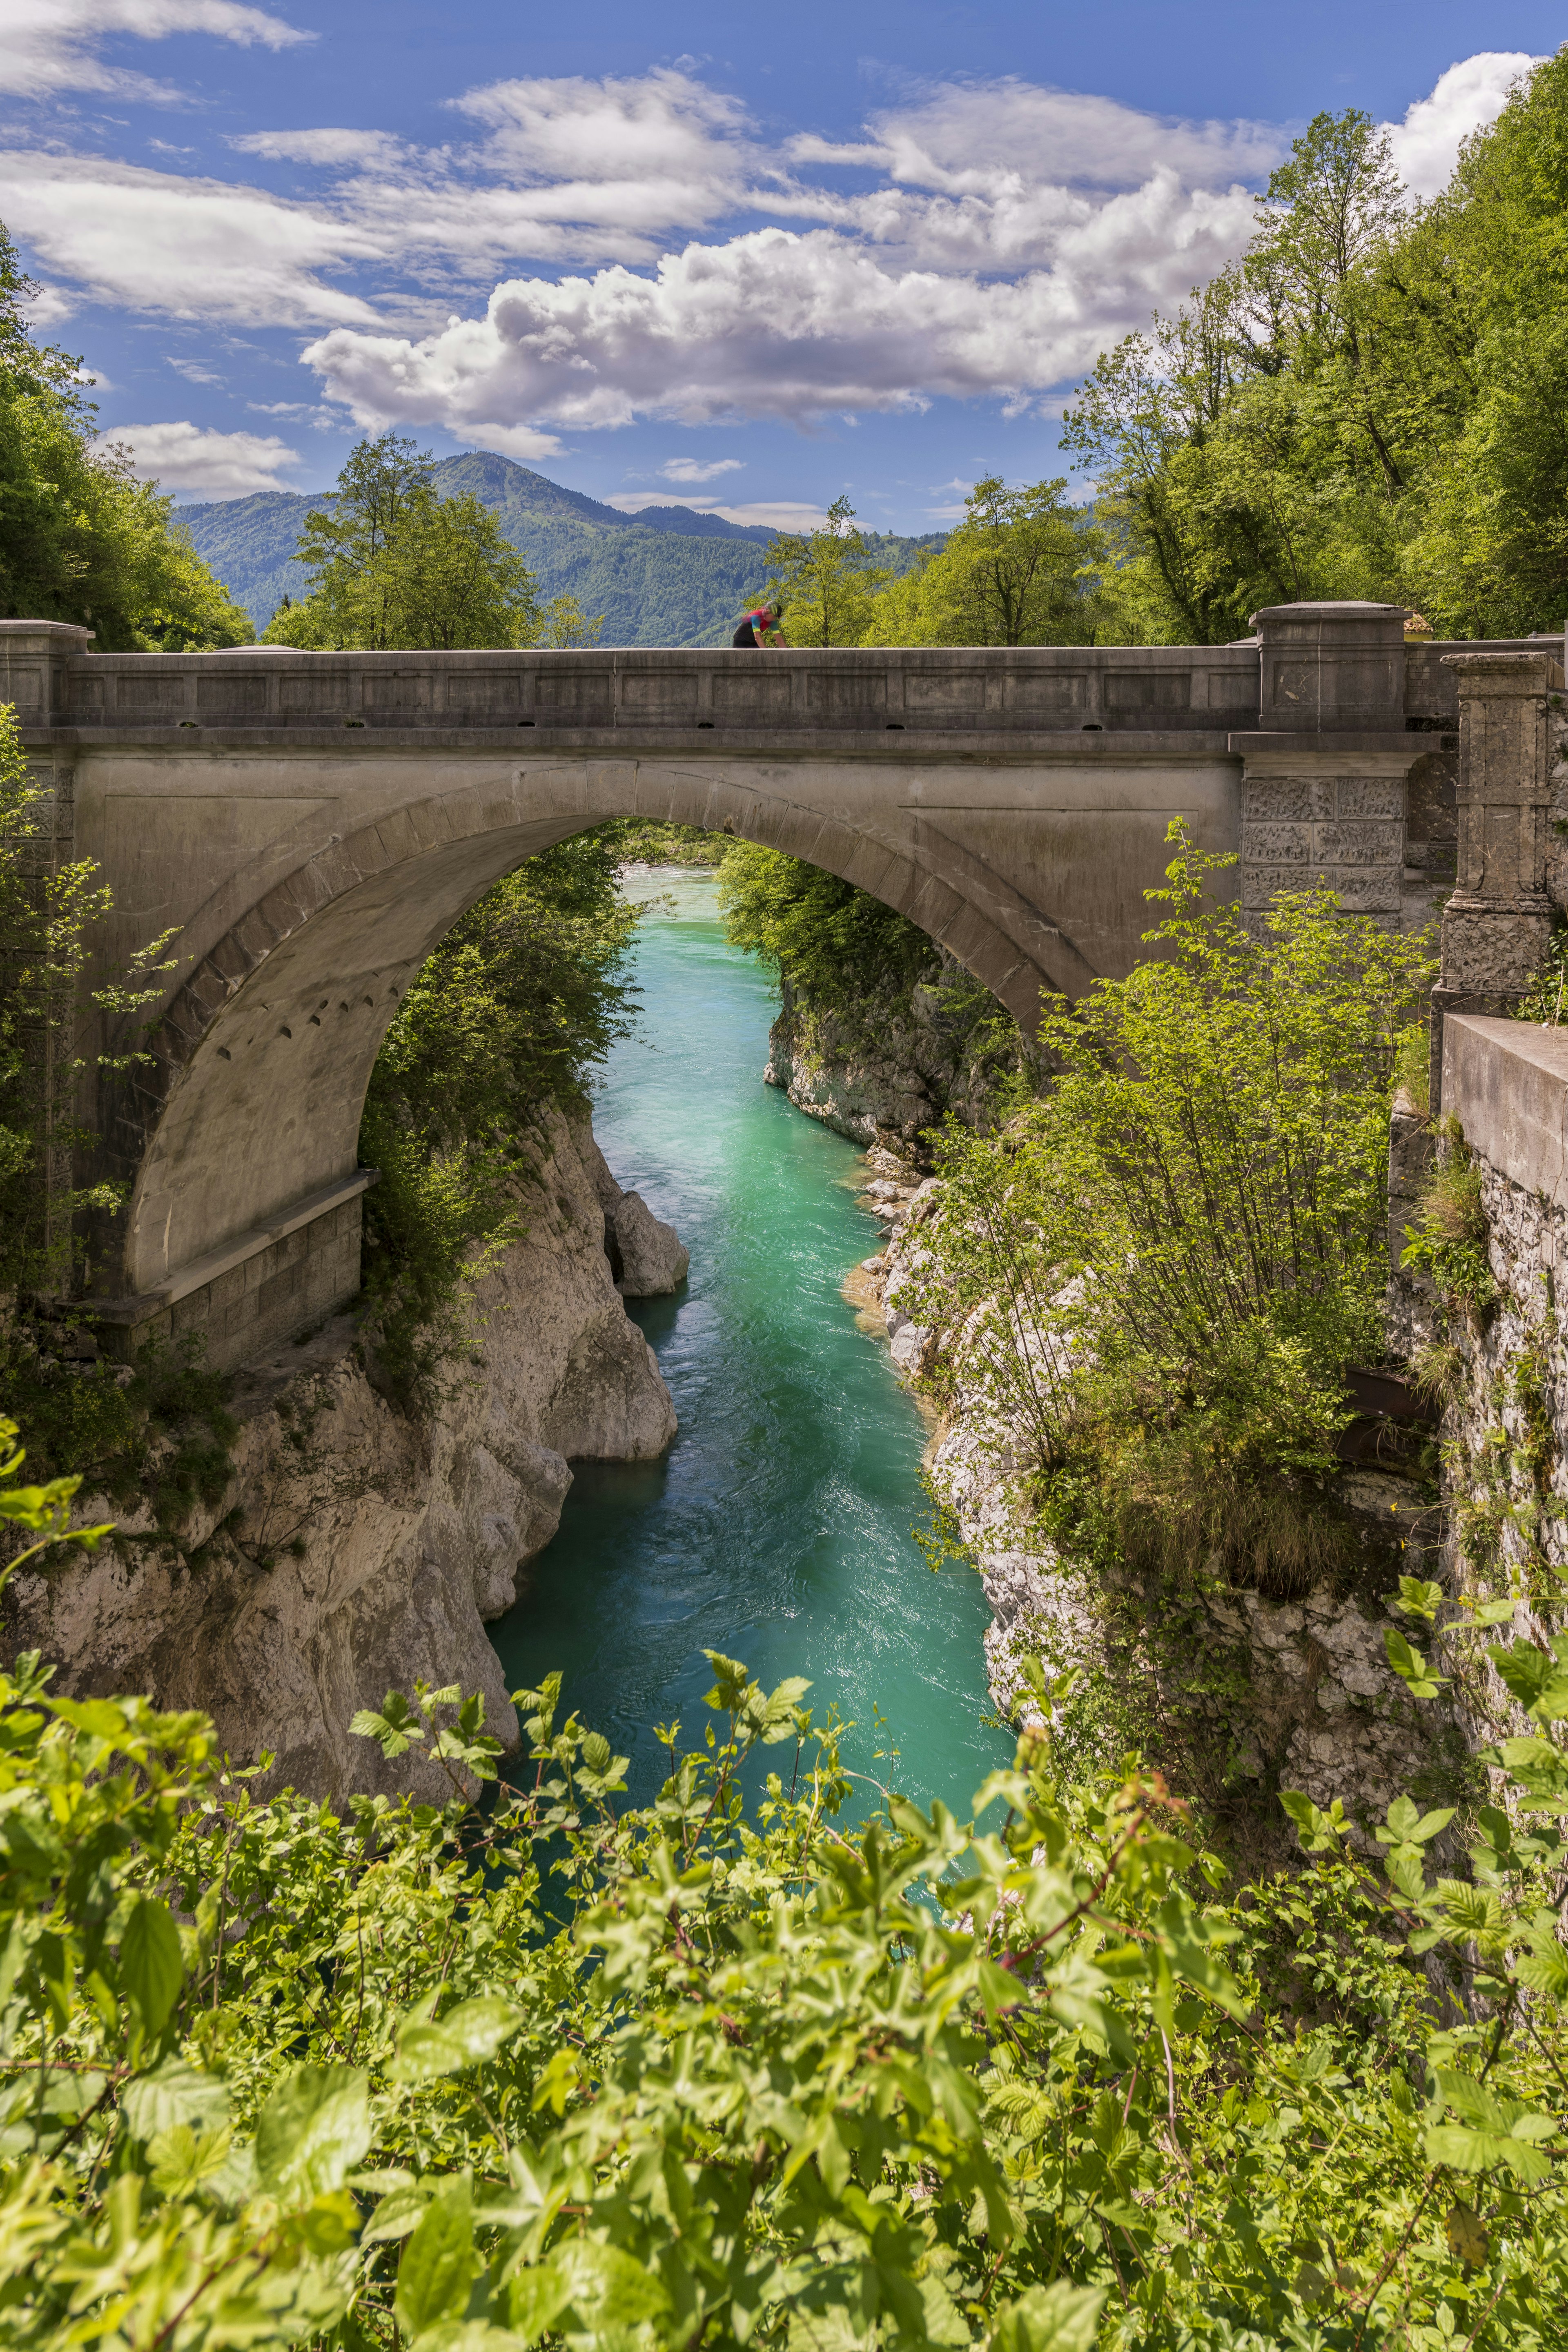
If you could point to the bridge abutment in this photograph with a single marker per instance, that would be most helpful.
(267, 1286)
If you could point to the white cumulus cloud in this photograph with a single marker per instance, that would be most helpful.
(1469, 95)
(190, 247)
(785, 323)
(658, 255)
(696, 469)
(333, 149)
(186, 456)
(53, 45)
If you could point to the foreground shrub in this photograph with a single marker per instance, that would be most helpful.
(722, 2069)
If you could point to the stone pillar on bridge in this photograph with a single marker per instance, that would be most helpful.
(1497, 924)
(34, 680)
(1323, 784)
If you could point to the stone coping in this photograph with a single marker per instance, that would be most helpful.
(629, 740)
(244, 1246)
(1096, 741)
(1507, 1084)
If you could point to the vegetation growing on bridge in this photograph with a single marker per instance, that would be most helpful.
(731, 2069)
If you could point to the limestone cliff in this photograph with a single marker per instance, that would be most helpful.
(885, 1071)
(1236, 1694)
(359, 1547)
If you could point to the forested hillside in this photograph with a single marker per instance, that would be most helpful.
(669, 577)
(1368, 404)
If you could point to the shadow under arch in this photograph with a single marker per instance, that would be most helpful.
(251, 1099)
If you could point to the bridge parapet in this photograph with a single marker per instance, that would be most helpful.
(796, 693)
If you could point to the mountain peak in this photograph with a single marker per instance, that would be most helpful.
(502, 483)
(666, 576)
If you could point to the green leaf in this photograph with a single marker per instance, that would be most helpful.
(1537, 1680)
(151, 1969)
(1494, 2131)
(398, 2213)
(607, 2287)
(439, 2265)
(535, 2299)
(171, 2095)
(1477, 2151)
(465, 2036)
(1406, 1827)
(1410, 1665)
(312, 2131)
(395, 1729)
(1318, 1830)
(179, 2159)
(729, 1691)
(1056, 2318)
(1416, 1598)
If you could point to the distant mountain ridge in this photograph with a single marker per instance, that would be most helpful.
(667, 576)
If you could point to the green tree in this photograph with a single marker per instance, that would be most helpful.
(565, 623)
(1368, 406)
(1490, 554)
(826, 579)
(1022, 568)
(521, 1001)
(392, 565)
(79, 539)
(827, 942)
(1177, 1251)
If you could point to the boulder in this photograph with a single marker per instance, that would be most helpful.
(647, 1256)
(654, 1258)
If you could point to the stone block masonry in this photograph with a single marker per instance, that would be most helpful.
(267, 1286)
(1329, 809)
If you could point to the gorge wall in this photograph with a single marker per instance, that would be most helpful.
(357, 1547)
(1234, 1694)
(885, 1070)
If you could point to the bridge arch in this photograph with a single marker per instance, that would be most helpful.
(251, 1100)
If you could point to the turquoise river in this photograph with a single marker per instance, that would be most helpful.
(778, 1529)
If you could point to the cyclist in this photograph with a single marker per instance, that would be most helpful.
(760, 626)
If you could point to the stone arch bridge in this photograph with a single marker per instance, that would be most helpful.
(312, 823)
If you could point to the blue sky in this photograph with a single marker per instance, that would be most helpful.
(742, 258)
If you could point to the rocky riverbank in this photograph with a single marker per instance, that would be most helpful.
(357, 1547)
(938, 1047)
(1236, 1692)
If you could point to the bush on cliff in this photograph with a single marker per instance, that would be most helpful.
(525, 994)
(1172, 1258)
(726, 2069)
(847, 965)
